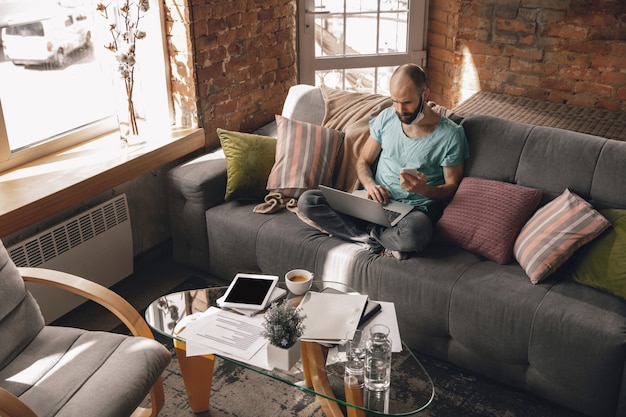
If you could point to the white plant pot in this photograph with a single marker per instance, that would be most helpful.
(283, 359)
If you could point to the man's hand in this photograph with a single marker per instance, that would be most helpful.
(378, 193)
(418, 184)
(415, 183)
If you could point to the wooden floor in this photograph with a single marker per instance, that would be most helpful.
(155, 274)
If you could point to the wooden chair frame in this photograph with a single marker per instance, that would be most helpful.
(11, 406)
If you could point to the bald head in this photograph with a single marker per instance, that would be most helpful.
(408, 92)
(410, 73)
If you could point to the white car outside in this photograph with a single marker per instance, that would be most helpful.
(47, 40)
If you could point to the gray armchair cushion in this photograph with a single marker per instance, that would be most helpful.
(74, 372)
(20, 317)
(63, 372)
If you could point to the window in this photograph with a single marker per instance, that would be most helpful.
(356, 44)
(56, 85)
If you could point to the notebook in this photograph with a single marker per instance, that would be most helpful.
(358, 205)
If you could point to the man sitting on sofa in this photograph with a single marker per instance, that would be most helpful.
(408, 134)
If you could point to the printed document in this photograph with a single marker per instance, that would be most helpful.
(224, 333)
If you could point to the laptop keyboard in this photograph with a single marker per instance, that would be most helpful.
(391, 215)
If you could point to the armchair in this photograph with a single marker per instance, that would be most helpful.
(62, 371)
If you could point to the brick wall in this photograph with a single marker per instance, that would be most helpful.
(242, 54)
(245, 61)
(564, 51)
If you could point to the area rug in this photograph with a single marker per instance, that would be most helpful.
(239, 392)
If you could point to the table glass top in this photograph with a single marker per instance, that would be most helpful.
(411, 388)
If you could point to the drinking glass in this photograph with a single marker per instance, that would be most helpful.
(355, 360)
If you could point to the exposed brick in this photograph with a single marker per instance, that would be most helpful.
(583, 74)
(442, 54)
(583, 100)
(521, 65)
(474, 23)
(484, 48)
(545, 4)
(565, 31)
(527, 40)
(613, 78)
(606, 104)
(505, 12)
(513, 90)
(552, 16)
(614, 62)
(537, 93)
(568, 58)
(599, 90)
(530, 54)
(516, 25)
(506, 38)
(556, 83)
(594, 47)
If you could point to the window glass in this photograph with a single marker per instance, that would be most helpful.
(364, 27)
(361, 80)
(51, 78)
(60, 79)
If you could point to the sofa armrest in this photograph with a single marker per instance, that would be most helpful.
(193, 188)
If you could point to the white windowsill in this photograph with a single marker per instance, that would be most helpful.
(39, 189)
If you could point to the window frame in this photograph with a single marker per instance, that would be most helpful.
(308, 64)
(154, 56)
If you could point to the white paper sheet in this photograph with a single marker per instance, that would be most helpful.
(329, 317)
(226, 334)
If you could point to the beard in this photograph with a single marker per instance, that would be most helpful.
(408, 118)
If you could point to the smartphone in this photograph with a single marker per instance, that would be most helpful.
(411, 171)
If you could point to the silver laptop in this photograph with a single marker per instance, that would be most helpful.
(358, 205)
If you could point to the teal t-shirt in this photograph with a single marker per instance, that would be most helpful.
(445, 146)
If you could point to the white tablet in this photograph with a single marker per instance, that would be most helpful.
(249, 291)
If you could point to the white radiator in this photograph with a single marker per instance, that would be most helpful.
(96, 245)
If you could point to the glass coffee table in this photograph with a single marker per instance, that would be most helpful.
(320, 370)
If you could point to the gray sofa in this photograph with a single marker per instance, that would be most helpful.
(558, 339)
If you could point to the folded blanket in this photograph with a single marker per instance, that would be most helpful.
(351, 113)
(275, 201)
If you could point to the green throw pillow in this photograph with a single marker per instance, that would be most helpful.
(249, 160)
(602, 263)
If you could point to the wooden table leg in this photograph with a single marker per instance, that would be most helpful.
(354, 395)
(314, 364)
(197, 372)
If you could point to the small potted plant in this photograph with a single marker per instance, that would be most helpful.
(283, 327)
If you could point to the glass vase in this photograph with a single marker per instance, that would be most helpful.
(131, 116)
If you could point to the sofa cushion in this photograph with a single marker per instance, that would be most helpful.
(232, 233)
(602, 263)
(552, 235)
(305, 157)
(485, 217)
(249, 160)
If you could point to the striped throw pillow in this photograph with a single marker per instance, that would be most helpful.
(554, 232)
(305, 157)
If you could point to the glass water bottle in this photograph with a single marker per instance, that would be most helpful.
(378, 359)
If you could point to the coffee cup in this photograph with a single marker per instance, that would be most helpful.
(298, 281)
